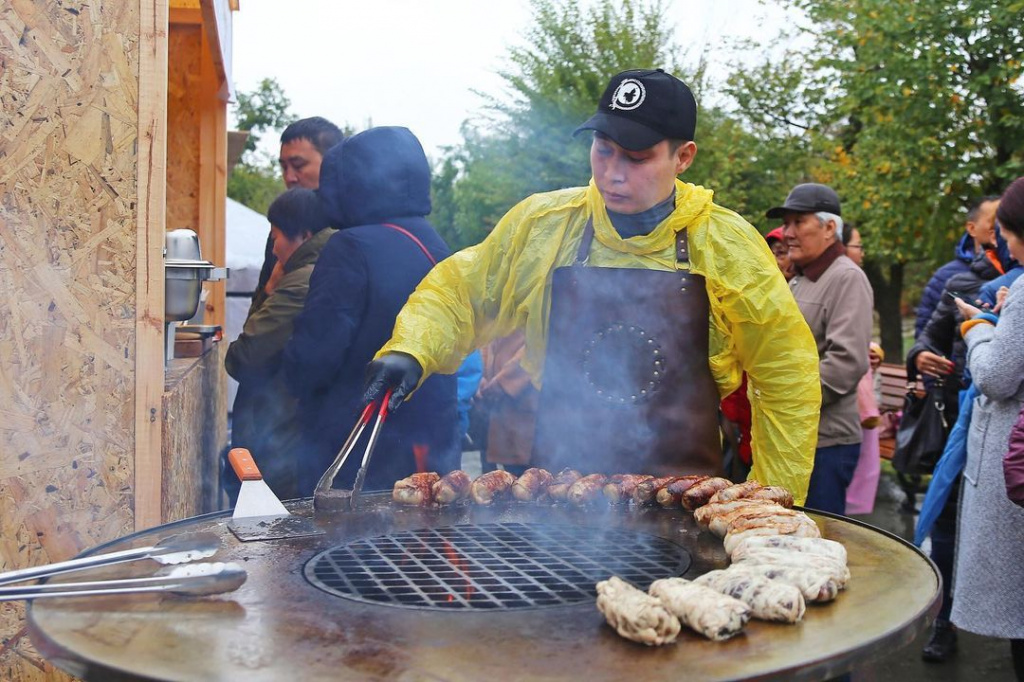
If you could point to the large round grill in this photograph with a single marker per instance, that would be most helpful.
(492, 566)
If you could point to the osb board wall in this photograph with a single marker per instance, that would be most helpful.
(68, 119)
(185, 50)
(195, 431)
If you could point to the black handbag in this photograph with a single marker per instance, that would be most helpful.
(921, 435)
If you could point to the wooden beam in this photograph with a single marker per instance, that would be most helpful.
(149, 273)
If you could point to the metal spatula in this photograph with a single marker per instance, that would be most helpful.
(258, 514)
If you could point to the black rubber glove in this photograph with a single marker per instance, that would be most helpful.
(397, 371)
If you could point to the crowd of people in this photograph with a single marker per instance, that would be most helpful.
(634, 310)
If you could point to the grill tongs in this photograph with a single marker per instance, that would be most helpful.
(174, 552)
(325, 497)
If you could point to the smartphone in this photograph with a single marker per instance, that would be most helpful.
(969, 300)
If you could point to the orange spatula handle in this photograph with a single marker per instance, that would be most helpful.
(244, 465)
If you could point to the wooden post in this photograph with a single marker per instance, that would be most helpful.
(149, 312)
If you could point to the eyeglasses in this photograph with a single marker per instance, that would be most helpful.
(855, 246)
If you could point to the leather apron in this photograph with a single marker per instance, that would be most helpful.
(627, 387)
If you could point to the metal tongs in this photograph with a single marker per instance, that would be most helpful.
(176, 549)
(325, 497)
(191, 579)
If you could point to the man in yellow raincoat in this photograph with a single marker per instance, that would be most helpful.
(642, 301)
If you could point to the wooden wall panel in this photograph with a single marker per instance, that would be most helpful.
(195, 415)
(184, 85)
(68, 193)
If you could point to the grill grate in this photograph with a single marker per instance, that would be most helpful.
(492, 566)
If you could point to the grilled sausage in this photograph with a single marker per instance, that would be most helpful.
(622, 490)
(775, 493)
(452, 487)
(711, 511)
(699, 494)
(586, 490)
(560, 487)
(737, 491)
(720, 523)
(700, 608)
(532, 485)
(416, 489)
(647, 492)
(670, 495)
(493, 485)
(634, 614)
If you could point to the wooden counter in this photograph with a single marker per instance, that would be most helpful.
(195, 432)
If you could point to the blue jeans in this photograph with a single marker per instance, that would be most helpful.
(833, 471)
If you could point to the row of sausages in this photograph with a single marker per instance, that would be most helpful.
(569, 485)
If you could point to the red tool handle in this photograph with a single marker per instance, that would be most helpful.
(244, 465)
(367, 412)
(384, 404)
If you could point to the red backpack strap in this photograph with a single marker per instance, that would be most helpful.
(410, 235)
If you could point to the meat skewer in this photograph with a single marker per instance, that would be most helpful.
(620, 491)
(532, 485)
(671, 495)
(560, 487)
(416, 489)
(493, 485)
(586, 490)
(700, 608)
(768, 599)
(635, 615)
(775, 493)
(736, 491)
(452, 487)
(647, 492)
(699, 494)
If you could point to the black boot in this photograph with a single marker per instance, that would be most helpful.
(942, 643)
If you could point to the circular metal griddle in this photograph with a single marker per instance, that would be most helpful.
(298, 618)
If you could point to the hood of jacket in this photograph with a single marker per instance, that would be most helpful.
(309, 251)
(377, 175)
(965, 248)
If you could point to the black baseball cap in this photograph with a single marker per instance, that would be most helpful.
(640, 108)
(808, 198)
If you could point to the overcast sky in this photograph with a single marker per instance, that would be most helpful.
(416, 62)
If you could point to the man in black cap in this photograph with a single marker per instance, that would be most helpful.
(835, 297)
(642, 303)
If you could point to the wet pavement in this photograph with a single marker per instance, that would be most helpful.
(977, 658)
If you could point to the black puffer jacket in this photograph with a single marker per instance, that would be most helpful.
(942, 333)
(364, 276)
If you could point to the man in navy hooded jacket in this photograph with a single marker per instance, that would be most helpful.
(375, 187)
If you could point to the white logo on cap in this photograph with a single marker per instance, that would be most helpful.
(629, 95)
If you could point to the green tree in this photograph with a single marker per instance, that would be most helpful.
(523, 142)
(909, 111)
(256, 179)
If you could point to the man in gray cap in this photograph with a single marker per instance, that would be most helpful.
(836, 300)
(642, 303)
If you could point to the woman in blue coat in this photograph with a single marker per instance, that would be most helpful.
(375, 187)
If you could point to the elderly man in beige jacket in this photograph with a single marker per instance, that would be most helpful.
(836, 300)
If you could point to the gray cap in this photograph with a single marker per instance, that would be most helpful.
(808, 198)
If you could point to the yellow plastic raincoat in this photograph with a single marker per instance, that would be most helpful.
(504, 283)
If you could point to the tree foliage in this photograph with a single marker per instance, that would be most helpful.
(256, 179)
(523, 143)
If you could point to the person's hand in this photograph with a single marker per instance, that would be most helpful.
(933, 365)
(966, 309)
(275, 278)
(399, 372)
(1001, 298)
